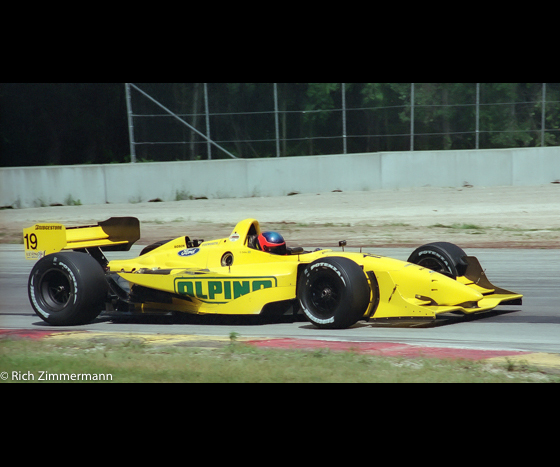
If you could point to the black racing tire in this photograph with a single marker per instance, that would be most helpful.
(333, 292)
(444, 257)
(153, 246)
(67, 288)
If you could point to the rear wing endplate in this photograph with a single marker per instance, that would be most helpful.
(116, 233)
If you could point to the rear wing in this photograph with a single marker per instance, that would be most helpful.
(116, 233)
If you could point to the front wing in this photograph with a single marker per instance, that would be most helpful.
(468, 294)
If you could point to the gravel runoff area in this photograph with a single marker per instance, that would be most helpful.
(498, 217)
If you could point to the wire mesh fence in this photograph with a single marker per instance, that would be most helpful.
(194, 121)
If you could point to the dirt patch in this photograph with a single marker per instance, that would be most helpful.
(367, 235)
(514, 217)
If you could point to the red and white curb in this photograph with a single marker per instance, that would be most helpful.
(387, 349)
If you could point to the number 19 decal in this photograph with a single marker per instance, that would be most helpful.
(30, 241)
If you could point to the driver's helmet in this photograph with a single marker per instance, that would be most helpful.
(272, 242)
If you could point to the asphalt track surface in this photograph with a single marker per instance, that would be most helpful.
(533, 327)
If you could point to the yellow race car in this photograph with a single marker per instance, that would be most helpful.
(248, 273)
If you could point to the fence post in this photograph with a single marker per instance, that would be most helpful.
(542, 115)
(209, 146)
(130, 124)
(344, 117)
(412, 116)
(276, 120)
(477, 131)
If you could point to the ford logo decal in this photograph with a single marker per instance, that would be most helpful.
(189, 252)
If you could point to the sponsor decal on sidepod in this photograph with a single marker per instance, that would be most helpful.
(189, 252)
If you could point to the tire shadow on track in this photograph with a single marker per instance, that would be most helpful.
(210, 320)
(441, 320)
(256, 320)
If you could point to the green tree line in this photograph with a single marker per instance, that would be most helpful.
(69, 123)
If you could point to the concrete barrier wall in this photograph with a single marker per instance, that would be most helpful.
(168, 181)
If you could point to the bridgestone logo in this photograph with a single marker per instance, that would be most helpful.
(330, 266)
(75, 293)
(436, 254)
(48, 227)
(314, 318)
(32, 295)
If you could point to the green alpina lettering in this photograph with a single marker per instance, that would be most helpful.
(185, 288)
(257, 285)
(217, 289)
(198, 288)
(240, 288)
(214, 287)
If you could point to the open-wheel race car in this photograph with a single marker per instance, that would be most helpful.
(247, 273)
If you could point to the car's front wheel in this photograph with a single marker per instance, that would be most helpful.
(333, 292)
(67, 288)
(444, 257)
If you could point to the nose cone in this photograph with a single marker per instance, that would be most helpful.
(414, 280)
(447, 291)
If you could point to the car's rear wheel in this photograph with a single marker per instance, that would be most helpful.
(444, 257)
(153, 246)
(333, 292)
(67, 288)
